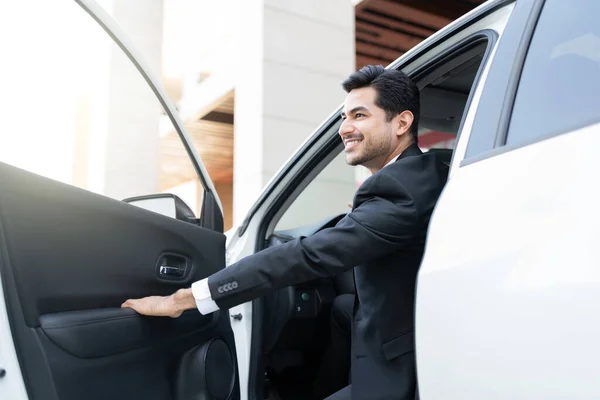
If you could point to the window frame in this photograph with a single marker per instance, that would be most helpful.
(502, 140)
(485, 35)
(490, 126)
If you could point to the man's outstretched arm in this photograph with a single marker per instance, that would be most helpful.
(385, 218)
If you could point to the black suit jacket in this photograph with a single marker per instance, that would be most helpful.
(383, 238)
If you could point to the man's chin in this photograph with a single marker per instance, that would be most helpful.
(353, 160)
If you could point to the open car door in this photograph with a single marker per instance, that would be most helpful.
(89, 126)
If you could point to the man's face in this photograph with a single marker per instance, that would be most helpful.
(368, 136)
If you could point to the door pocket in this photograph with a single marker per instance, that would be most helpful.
(109, 331)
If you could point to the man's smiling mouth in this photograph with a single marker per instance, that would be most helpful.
(350, 143)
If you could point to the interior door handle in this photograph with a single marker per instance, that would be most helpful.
(172, 267)
(173, 272)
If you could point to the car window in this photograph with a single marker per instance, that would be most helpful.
(560, 82)
(76, 109)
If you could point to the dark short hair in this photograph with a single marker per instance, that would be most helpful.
(396, 92)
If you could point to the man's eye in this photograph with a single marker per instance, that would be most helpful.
(358, 115)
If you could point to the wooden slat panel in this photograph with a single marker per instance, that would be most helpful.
(206, 132)
(377, 52)
(209, 127)
(213, 142)
(409, 14)
(398, 41)
(450, 9)
(388, 22)
(220, 150)
(174, 177)
(384, 26)
(215, 105)
(227, 105)
(199, 133)
(362, 4)
(223, 151)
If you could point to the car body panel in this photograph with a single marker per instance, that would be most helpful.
(507, 292)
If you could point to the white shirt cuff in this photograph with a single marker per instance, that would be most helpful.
(204, 301)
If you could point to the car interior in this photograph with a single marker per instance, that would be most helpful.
(296, 320)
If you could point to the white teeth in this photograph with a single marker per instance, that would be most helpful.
(352, 143)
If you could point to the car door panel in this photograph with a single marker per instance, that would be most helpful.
(138, 374)
(70, 258)
(86, 251)
(78, 332)
(507, 295)
(509, 283)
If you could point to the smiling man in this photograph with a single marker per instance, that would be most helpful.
(382, 238)
(380, 117)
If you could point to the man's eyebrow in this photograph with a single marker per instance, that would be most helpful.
(355, 110)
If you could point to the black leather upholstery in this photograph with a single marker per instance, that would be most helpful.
(108, 331)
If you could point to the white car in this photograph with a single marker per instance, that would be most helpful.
(507, 294)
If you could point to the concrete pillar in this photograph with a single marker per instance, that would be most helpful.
(131, 139)
(293, 57)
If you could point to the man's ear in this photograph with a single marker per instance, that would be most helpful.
(403, 122)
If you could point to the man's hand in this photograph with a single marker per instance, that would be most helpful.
(163, 306)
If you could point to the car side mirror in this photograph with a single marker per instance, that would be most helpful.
(166, 204)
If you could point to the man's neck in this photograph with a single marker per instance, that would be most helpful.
(394, 155)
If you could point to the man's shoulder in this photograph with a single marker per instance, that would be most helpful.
(415, 165)
(413, 174)
(385, 182)
(421, 166)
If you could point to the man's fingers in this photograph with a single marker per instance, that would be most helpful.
(128, 303)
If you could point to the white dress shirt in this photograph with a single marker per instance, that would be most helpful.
(204, 301)
(392, 160)
(201, 291)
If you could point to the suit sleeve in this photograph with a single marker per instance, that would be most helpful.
(384, 219)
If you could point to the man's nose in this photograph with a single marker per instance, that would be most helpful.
(345, 128)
